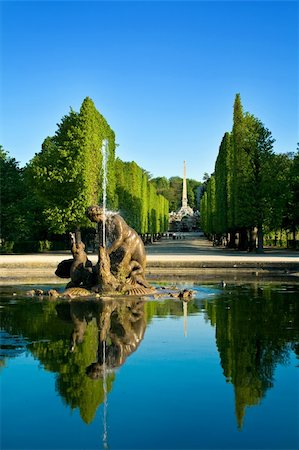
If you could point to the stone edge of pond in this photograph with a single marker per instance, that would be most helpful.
(197, 275)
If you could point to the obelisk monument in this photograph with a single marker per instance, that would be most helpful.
(184, 195)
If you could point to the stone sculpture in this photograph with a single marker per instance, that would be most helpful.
(120, 328)
(121, 258)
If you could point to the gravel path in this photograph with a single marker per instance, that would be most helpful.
(190, 256)
(194, 247)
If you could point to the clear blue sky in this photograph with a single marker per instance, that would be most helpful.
(163, 74)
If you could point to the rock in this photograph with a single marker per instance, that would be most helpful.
(186, 293)
(30, 293)
(75, 292)
(39, 292)
(53, 293)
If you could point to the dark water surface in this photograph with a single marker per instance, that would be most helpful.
(218, 372)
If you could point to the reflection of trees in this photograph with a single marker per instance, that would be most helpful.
(253, 333)
(169, 307)
(90, 322)
(120, 329)
(74, 386)
(255, 330)
(66, 338)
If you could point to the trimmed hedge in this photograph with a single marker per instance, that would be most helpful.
(32, 246)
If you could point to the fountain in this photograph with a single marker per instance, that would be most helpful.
(121, 260)
(121, 254)
(120, 269)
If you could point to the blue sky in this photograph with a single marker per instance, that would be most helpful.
(163, 74)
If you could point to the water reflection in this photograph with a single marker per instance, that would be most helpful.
(84, 342)
(256, 329)
(120, 329)
(121, 326)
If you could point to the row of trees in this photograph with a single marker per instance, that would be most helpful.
(50, 195)
(143, 207)
(252, 190)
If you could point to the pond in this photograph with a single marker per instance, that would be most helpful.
(217, 372)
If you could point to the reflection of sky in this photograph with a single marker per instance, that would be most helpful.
(33, 415)
(175, 385)
(168, 333)
(170, 393)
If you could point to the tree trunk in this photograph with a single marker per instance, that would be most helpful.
(231, 243)
(243, 239)
(252, 242)
(260, 239)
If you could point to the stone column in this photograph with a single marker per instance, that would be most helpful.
(184, 196)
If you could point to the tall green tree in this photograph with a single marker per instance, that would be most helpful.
(255, 186)
(222, 185)
(243, 182)
(12, 198)
(138, 201)
(204, 212)
(208, 208)
(175, 196)
(291, 216)
(237, 169)
(66, 176)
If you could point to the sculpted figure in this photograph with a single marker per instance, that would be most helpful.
(106, 281)
(81, 267)
(121, 260)
(124, 247)
(121, 326)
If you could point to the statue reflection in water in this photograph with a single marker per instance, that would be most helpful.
(121, 326)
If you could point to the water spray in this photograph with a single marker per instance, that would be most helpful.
(105, 432)
(104, 165)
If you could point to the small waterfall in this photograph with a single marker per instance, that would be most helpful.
(104, 165)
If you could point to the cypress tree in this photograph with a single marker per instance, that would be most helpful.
(138, 201)
(144, 204)
(211, 205)
(239, 173)
(221, 185)
(204, 213)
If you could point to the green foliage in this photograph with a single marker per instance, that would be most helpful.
(168, 308)
(255, 189)
(66, 176)
(12, 199)
(211, 206)
(223, 185)
(138, 201)
(253, 169)
(253, 335)
(172, 189)
(48, 325)
(291, 211)
(7, 247)
(204, 212)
